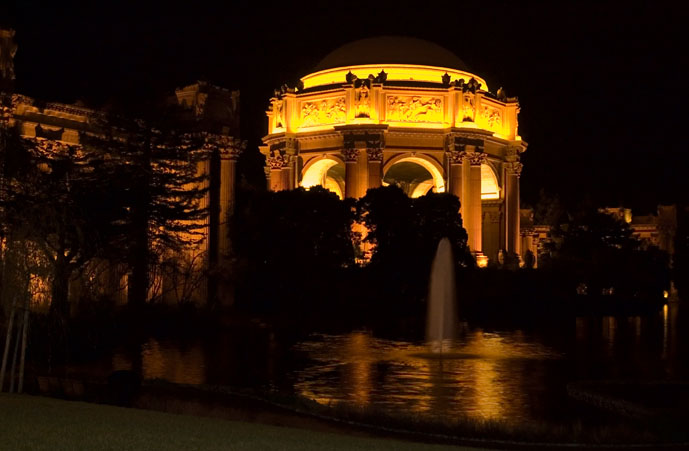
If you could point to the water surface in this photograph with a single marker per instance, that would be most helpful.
(507, 374)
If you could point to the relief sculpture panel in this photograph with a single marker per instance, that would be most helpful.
(323, 112)
(492, 118)
(414, 109)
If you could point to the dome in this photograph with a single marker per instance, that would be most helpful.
(391, 50)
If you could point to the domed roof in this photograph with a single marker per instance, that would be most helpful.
(391, 50)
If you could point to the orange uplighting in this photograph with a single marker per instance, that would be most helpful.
(402, 72)
(481, 261)
(413, 107)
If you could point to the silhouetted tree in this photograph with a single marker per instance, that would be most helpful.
(292, 246)
(549, 210)
(598, 250)
(62, 202)
(405, 232)
(160, 186)
(404, 229)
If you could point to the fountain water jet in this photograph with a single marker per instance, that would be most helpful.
(442, 314)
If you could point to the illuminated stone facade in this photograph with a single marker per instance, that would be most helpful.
(404, 111)
(212, 115)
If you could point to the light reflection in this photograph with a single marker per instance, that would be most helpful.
(358, 371)
(182, 366)
(609, 331)
(665, 330)
(482, 376)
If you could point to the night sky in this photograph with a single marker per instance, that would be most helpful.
(601, 87)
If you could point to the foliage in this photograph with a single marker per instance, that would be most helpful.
(404, 233)
(158, 182)
(597, 253)
(291, 245)
(129, 192)
(297, 248)
(404, 229)
(61, 204)
(549, 210)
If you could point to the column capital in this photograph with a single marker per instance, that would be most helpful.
(512, 152)
(476, 158)
(514, 167)
(229, 147)
(375, 154)
(233, 151)
(457, 156)
(276, 160)
(350, 154)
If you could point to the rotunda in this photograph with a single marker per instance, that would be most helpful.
(404, 111)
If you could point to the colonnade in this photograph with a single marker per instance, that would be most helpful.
(363, 161)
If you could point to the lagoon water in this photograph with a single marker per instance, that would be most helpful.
(512, 375)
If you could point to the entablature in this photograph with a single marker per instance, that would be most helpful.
(434, 106)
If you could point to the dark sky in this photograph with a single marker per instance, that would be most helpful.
(601, 86)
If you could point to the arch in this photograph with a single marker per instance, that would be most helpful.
(490, 188)
(428, 163)
(315, 173)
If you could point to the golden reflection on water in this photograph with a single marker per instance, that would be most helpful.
(359, 370)
(483, 376)
(180, 365)
(609, 331)
(488, 400)
(665, 330)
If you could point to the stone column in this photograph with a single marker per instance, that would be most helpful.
(351, 157)
(472, 198)
(203, 168)
(375, 167)
(266, 173)
(512, 173)
(228, 183)
(229, 153)
(362, 176)
(455, 180)
(286, 173)
(275, 162)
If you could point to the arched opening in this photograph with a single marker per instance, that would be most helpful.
(490, 189)
(326, 172)
(417, 176)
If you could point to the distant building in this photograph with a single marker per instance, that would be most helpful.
(657, 230)
(202, 108)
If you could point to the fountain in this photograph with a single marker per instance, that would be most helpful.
(442, 314)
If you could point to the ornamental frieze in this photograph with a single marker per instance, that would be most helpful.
(414, 109)
(492, 118)
(323, 112)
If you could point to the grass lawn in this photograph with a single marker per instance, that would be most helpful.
(37, 423)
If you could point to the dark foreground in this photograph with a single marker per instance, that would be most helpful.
(38, 423)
